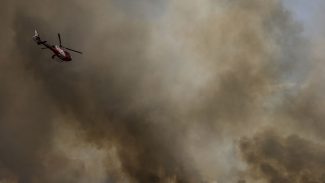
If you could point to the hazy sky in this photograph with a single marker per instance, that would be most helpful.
(307, 12)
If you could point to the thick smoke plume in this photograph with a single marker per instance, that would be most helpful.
(284, 159)
(166, 91)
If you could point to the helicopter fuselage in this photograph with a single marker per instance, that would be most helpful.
(59, 52)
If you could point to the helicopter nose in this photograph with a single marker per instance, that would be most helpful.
(67, 58)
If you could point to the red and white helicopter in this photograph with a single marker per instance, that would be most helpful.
(58, 50)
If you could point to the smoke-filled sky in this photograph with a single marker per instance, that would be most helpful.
(167, 91)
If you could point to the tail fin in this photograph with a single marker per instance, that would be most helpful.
(36, 38)
(36, 33)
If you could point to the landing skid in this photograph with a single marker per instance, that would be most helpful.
(53, 56)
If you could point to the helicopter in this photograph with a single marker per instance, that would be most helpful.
(58, 50)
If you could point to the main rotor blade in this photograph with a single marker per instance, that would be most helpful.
(60, 39)
(73, 50)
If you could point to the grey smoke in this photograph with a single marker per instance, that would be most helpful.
(166, 91)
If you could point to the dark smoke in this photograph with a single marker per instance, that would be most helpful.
(162, 93)
(284, 159)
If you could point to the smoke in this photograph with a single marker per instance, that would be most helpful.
(284, 159)
(166, 91)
